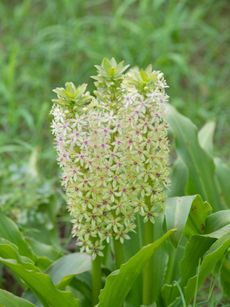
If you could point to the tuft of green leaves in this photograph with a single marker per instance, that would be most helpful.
(72, 98)
(108, 80)
(145, 80)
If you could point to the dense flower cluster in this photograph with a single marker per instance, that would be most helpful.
(113, 152)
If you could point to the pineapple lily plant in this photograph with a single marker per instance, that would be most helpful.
(113, 150)
(142, 239)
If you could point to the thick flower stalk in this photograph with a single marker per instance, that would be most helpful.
(113, 150)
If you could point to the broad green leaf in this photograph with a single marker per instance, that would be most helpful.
(119, 283)
(197, 216)
(201, 255)
(206, 135)
(44, 250)
(179, 178)
(82, 286)
(176, 214)
(39, 282)
(200, 165)
(10, 232)
(217, 220)
(186, 214)
(8, 299)
(196, 248)
(65, 268)
(219, 232)
(211, 257)
(194, 251)
(223, 179)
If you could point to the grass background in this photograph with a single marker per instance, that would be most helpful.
(44, 43)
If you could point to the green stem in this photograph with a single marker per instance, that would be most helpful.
(96, 279)
(148, 269)
(119, 255)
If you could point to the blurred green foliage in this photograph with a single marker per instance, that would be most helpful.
(47, 43)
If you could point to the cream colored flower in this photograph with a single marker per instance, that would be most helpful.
(113, 151)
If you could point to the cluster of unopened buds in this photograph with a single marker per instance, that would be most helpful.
(113, 150)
